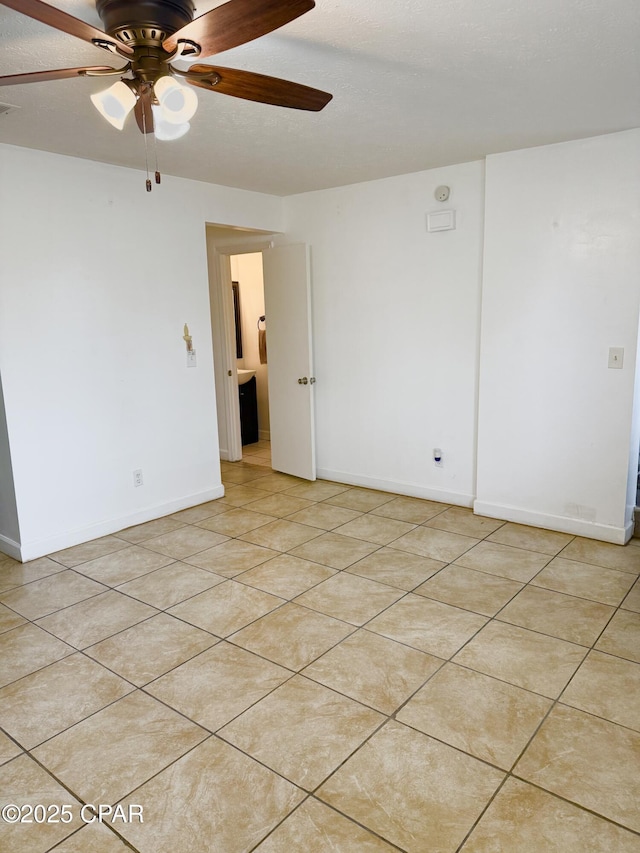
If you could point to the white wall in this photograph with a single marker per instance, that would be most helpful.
(98, 278)
(395, 324)
(247, 271)
(9, 527)
(561, 286)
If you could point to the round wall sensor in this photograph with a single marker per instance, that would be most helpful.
(442, 193)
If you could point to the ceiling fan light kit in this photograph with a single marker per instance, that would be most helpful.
(150, 35)
(115, 103)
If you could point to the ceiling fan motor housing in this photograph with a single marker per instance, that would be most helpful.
(144, 23)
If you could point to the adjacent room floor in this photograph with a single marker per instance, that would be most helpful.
(314, 667)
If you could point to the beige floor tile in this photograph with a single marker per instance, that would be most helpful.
(96, 838)
(200, 512)
(375, 528)
(130, 563)
(302, 730)
(9, 619)
(477, 714)
(226, 608)
(608, 687)
(437, 544)
(360, 499)
(461, 520)
(292, 636)
(218, 684)
(78, 554)
(23, 782)
(504, 561)
(396, 568)
(622, 636)
(470, 590)
(415, 792)
(589, 761)
(39, 598)
(275, 481)
(373, 670)
(596, 583)
(632, 601)
(241, 495)
(413, 510)
(281, 535)
(624, 558)
(565, 616)
(150, 649)
(231, 558)
(166, 587)
(286, 576)
(531, 538)
(241, 476)
(525, 658)
(141, 532)
(215, 797)
(324, 516)
(316, 827)
(236, 521)
(8, 749)
(94, 758)
(184, 542)
(96, 618)
(260, 460)
(319, 490)
(430, 626)
(279, 505)
(524, 818)
(333, 550)
(57, 697)
(350, 598)
(13, 574)
(26, 649)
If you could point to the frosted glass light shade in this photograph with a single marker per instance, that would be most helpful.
(179, 103)
(165, 131)
(115, 103)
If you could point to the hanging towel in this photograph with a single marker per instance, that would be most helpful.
(262, 345)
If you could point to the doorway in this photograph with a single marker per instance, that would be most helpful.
(250, 326)
(288, 395)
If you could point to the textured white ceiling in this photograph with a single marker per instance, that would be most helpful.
(416, 84)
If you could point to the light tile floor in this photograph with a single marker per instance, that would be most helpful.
(313, 667)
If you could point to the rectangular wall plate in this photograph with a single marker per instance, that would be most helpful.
(443, 220)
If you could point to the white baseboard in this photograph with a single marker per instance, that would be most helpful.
(574, 526)
(40, 548)
(406, 489)
(224, 455)
(9, 547)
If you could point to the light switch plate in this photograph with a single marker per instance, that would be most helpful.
(616, 357)
(443, 220)
(191, 358)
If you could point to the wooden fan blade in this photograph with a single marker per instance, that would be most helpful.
(143, 111)
(57, 74)
(237, 22)
(60, 20)
(259, 87)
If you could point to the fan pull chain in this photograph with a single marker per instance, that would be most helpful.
(146, 150)
(155, 151)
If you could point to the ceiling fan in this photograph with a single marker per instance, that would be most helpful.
(150, 35)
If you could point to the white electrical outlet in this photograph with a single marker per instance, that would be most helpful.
(437, 457)
(191, 358)
(137, 477)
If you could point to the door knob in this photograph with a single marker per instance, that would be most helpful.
(303, 381)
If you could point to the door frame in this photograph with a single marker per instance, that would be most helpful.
(222, 320)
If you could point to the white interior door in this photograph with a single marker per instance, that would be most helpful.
(287, 294)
